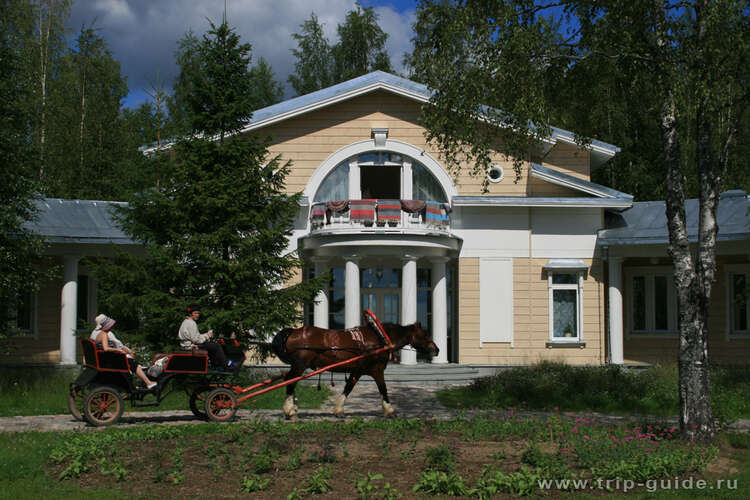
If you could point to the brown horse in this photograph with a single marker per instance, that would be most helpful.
(312, 347)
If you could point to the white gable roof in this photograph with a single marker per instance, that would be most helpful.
(380, 80)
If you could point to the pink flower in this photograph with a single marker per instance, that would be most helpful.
(458, 404)
(555, 408)
(586, 438)
(575, 430)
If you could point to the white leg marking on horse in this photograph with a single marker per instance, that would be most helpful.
(339, 408)
(289, 407)
(388, 410)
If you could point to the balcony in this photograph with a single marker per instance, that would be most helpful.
(380, 216)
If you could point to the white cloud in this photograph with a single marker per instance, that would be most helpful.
(143, 34)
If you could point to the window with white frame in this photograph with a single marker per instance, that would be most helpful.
(738, 284)
(652, 300)
(22, 315)
(565, 310)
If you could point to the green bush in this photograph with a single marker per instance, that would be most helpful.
(548, 385)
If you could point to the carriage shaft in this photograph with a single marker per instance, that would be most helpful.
(307, 375)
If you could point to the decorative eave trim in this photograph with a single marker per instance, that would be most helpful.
(420, 94)
(571, 182)
(517, 201)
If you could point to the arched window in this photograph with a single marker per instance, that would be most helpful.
(336, 185)
(424, 184)
(380, 175)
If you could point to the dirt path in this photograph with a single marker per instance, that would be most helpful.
(364, 402)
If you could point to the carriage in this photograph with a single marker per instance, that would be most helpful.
(97, 395)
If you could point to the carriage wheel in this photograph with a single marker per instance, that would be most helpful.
(76, 399)
(221, 405)
(197, 402)
(103, 406)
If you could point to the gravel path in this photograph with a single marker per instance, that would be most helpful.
(363, 402)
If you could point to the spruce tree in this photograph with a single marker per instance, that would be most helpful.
(216, 228)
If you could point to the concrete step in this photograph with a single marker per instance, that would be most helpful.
(421, 374)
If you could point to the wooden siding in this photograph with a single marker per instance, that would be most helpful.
(531, 313)
(309, 139)
(639, 348)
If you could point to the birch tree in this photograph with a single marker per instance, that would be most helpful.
(515, 55)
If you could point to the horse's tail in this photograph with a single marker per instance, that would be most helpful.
(278, 344)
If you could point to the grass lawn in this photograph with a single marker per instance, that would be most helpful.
(608, 389)
(481, 457)
(44, 391)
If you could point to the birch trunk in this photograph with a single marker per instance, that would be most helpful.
(692, 279)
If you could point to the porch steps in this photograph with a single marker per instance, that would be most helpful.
(420, 374)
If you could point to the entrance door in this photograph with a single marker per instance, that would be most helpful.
(384, 303)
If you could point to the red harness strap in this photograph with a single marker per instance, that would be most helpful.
(371, 318)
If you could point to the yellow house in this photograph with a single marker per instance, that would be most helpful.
(534, 269)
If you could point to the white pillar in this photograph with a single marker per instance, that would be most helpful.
(69, 310)
(320, 310)
(615, 311)
(440, 309)
(352, 308)
(355, 186)
(409, 303)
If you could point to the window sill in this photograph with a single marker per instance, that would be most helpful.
(555, 344)
(739, 335)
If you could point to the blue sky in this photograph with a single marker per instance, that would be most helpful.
(142, 34)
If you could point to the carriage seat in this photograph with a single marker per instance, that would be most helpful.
(102, 360)
(194, 352)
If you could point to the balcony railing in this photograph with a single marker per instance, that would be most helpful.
(380, 215)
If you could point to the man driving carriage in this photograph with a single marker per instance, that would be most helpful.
(191, 338)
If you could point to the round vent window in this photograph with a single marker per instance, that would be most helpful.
(495, 173)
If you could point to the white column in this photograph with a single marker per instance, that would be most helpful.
(69, 310)
(355, 187)
(440, 309)
(352, 308)
(409, 303)
(320, 310)
(615, 311)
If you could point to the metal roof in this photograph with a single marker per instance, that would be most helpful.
(570, 181)
(646, 222)
(78, 221)
(378, 80)
(522, 201)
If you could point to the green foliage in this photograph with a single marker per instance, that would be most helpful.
(369, 489)
(440, 457)
(317, 484)
(523, 482)
(361, 46)
(216, 228)
(262, 463)
(254, 483)
(220, 99)
(113, 468)
(359, 50)
(589, 68)
(437, 482)
(20, 248)
(653, 390)
(313, 65)
(266, 90)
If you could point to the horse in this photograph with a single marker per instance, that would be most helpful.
(313, 347)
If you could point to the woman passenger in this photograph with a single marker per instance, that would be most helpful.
(107, 341)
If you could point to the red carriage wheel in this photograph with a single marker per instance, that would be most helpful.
(197, 401)
(76, 399)
(103, 406)
(221, 405)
